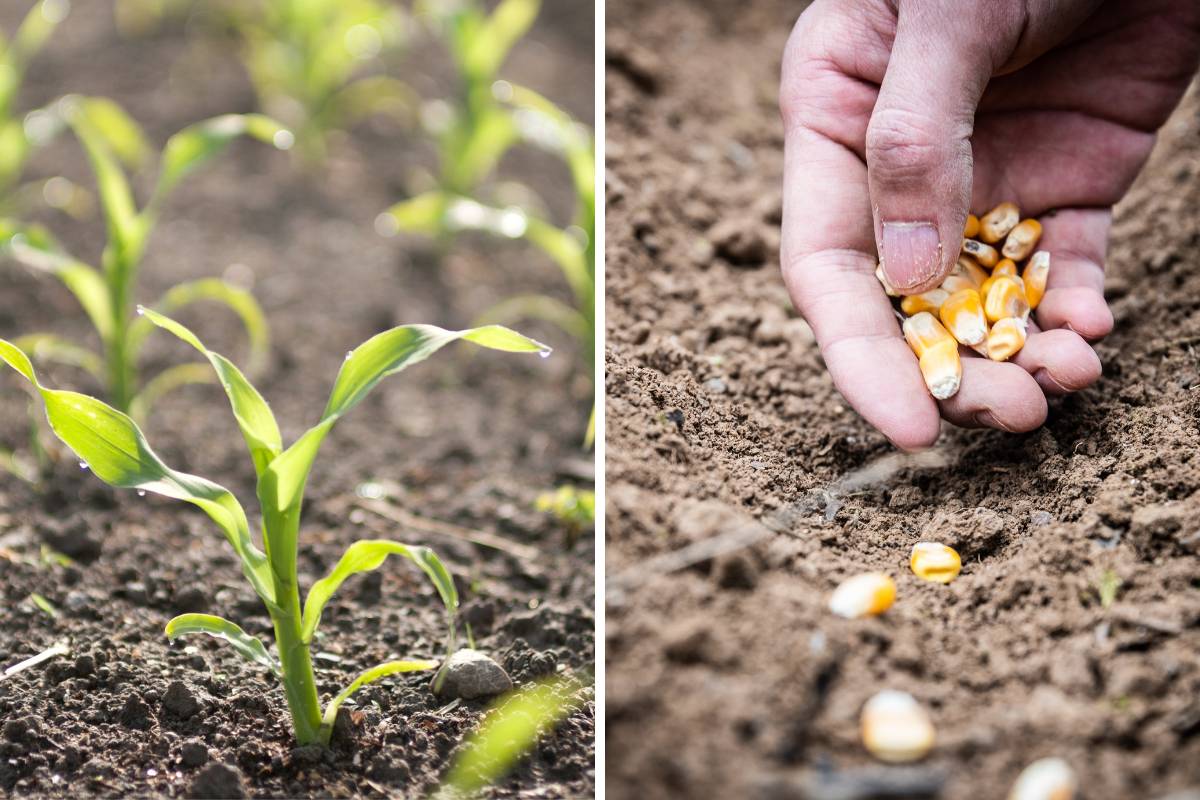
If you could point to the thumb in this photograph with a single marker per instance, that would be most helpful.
(918, 142)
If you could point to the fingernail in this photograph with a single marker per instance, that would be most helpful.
(912, 253)
(986, 419)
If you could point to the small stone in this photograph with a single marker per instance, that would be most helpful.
(470, 674)
(1039, 519)
(715, 385)
(76, 601)
(216, 782)
(180, 700)
(193, 754)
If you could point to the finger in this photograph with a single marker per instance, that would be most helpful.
(918, 142)
(1059, 360)
(996, 395)
(1077, 240)
(828, 261)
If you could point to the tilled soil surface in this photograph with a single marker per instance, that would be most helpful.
(468, 440)
(726, 675)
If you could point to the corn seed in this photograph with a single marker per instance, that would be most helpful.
(972, 228)
(1005, 298)
(1022, 239)
(925, 301)
(985, 254)
(895, 728)
(996, 224)
(933, 561)
(863, 595)
(937, 354)
(962, 314)
(1037, 271)
(1046, 779)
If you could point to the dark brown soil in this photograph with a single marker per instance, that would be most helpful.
(467, 439)
(728, 678)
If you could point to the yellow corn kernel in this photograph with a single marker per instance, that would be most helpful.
(1022, 239)
(863, 595)
(985, 254)
(1037, 272)
(1045, 779)
(990, 282)
(963, 316)
(1006, 338)
(972, 227)
(933, 561)
(887, 287)
(956, 283)
(1005, 298)
(970, 268)
(925, 301)
(1005, 266)
(996, 224)
(895, 728)
(937, 354)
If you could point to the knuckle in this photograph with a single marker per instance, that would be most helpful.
(902, 146)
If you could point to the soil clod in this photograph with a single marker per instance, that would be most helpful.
(217, 782)
(193, 754)
(180, 700)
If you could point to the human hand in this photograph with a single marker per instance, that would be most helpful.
(908, 113)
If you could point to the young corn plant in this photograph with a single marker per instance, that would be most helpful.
(107, 295)
(22, 134)
(115, 449)
(306, 59)
(444, 212)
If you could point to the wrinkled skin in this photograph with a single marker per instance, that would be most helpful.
(916, 112)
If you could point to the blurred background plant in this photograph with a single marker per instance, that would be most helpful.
(484, 121)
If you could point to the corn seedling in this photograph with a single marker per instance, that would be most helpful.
(22, 134)
(983, 304)
(107, 295)
(492, 115)
(117, 452)
(307, 58)
(574, 508)
(511, 728)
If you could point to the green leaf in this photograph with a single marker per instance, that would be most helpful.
(476, 155)
(114, 448)
(510, 729)
(370, 676)
(369, 96)
(539, 306)
(240, 301)
(577, 146)
(380, 356)
(423, 214)
(253, 415)
(490, 45)
(36, 28)
(248, 646)
(367, 555)
(165, 382)
(187, 150)
(34, 248)
(119, 132)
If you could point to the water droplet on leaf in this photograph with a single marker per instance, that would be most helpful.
(544, 353)
(141, 492)
(83, 465)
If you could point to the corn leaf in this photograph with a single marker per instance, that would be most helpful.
(35, 29)
(165, 382)
(423, 214)
(488, 48)
(119, 132)
(510, 729)
(113, 447)
(367, 555)
(240, 301)
(366, 97)
(187, 150)
(380, 356)
(370, 676)
(34, 248)
(253, 415)
(539, 306)
(477, 154)
(248, 646)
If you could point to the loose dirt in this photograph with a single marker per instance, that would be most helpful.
(726, 675)
(469, 440)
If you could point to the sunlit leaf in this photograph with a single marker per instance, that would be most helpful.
(248, 646)
(370, 676)
(489, 46)
(196, 144)
(169, 380)
(367, 555)
(119, 132)
(112, 446)
(36, 28)
(34, 248)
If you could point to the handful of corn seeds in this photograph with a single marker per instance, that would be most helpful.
(984, 303)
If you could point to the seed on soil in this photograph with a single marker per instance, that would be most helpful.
(895, 728)
(986, 312)
(863, 595)
(933, 561)
(1046, 779)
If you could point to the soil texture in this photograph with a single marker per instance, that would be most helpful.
(741, 488)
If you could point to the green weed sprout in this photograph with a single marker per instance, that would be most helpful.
(107, 295)
(574, 508)
(305, 59)
(114, 448)
(511, 727)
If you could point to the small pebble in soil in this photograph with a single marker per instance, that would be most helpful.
(180, 700)
(193, 754)
(470, 674)
(216, 782)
